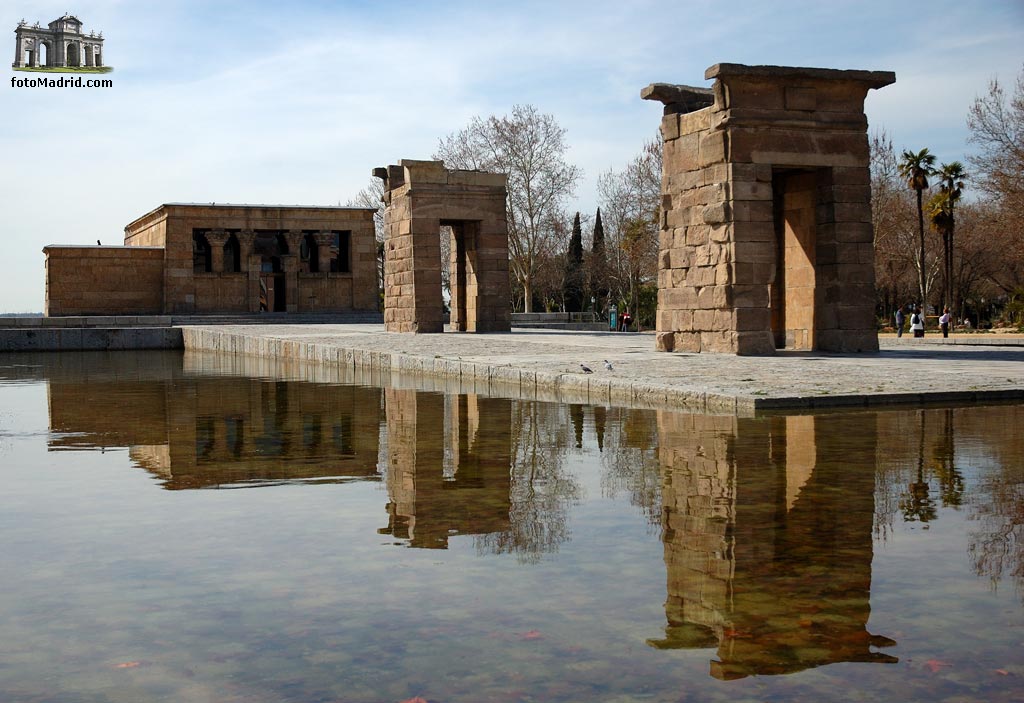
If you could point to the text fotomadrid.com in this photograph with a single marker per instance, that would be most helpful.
(62, 82)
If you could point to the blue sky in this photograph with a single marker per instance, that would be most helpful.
(295, 103)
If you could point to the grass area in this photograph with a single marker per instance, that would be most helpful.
(67, 69)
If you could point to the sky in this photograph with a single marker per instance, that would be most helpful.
(296, 103)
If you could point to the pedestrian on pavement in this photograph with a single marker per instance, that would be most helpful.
(626, 321)
(899, 322)
(917, 323)
(944, 322)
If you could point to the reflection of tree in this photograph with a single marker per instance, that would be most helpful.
(951, 480)
(985, 438)
(997, 548)
(917, 503)
(541, 490)
(631, 461)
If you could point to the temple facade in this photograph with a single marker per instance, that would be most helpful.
(186, 258)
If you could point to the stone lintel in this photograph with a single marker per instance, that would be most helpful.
(679, 98)
(872, 79)
(435, 173)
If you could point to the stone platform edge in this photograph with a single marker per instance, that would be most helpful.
(502, 380)
(401, 369)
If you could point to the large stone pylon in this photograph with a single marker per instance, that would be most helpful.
(766, 239)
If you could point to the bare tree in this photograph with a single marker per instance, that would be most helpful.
(530, 147)
(892, 218)
(997, 128)
(373, 196)
(630, 205)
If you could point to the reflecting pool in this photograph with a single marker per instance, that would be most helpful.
(175, 532)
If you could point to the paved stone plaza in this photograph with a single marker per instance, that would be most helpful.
(546, 365)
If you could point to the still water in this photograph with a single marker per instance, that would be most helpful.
(175, 533)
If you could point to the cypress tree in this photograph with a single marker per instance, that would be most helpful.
(572, 283)
(598, 265)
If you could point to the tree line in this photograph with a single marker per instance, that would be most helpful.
(936, 248)
(946, 234)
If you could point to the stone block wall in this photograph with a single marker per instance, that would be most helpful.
(103, 280)
(221, 292)
(735, 157)
(421, 197)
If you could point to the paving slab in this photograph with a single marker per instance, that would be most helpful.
(546, 364)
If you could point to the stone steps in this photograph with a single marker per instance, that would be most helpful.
(124, 321)
(279, 318)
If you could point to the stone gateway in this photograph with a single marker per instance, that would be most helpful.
(62, 44)
(421, 198)
(766, 239)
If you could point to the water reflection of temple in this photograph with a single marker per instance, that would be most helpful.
(768, 540)
(767, 522)
(221, 431)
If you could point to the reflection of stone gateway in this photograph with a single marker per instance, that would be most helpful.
(768, 541)
(448, 466)
(61, 44)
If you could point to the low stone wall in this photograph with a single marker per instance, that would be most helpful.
(98, 280)
(40, 339)
(559, 320)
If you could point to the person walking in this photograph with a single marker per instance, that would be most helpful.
(626, 321)
(899, 322)
(944, 322)
(917, 323)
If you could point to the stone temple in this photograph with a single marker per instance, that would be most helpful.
(62, 43)
(766, 239)
(191, 258)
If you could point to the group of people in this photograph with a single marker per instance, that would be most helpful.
(917, 321)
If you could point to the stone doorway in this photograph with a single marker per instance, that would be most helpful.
(272, 286)
(793, 299)
(462, 273)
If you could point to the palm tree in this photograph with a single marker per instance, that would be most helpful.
(915, 169)
(951, 185)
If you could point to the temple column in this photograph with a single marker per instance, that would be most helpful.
(251, 265)
(217, 238)
(290, 266)
(326, 249)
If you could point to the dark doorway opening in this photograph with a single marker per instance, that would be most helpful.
(793, 294)
(462, 266)
(272, 286)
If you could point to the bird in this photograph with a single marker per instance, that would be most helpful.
(98, 243)
(608, 365)
(586, 369)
